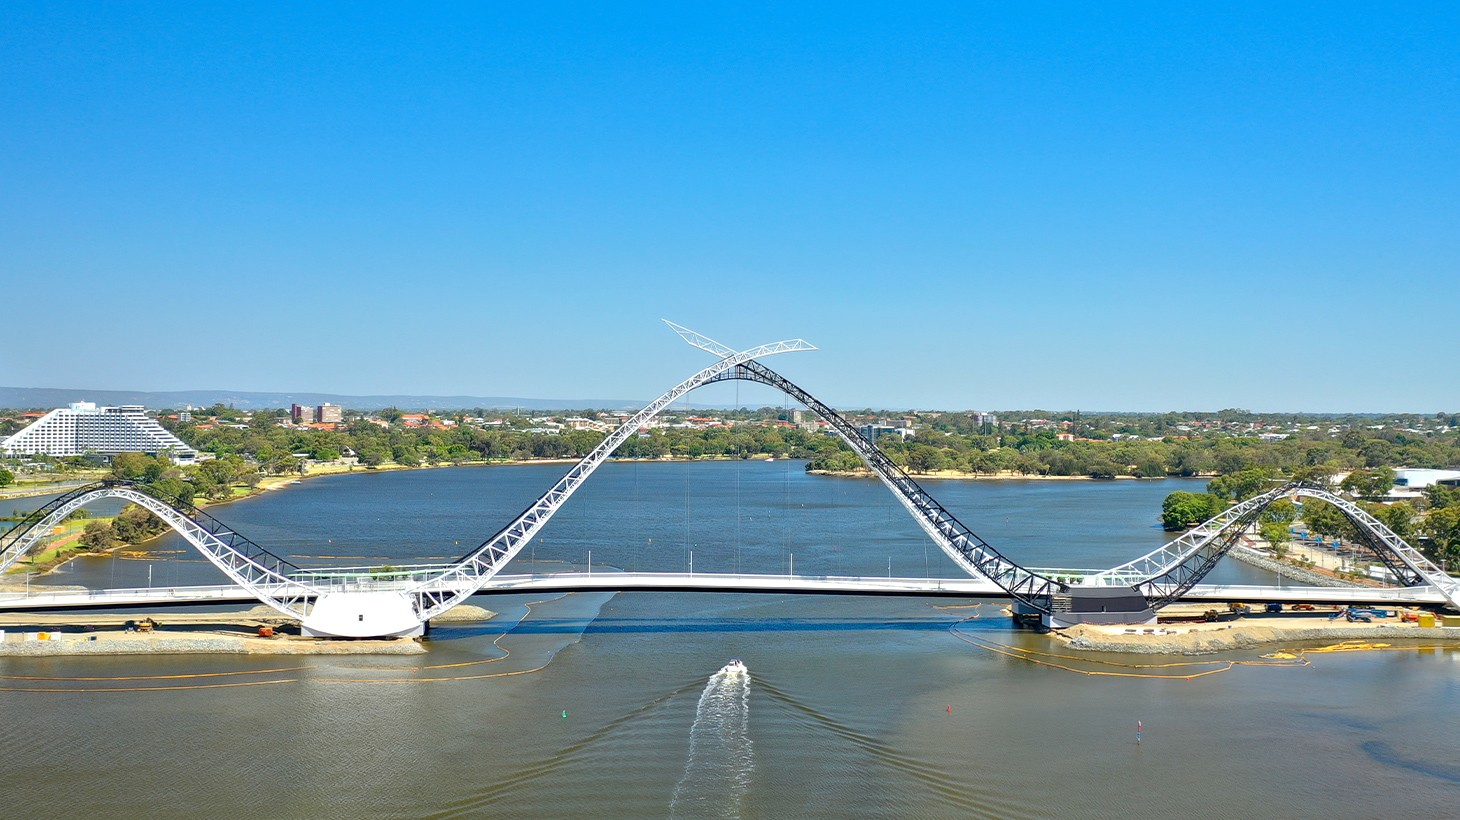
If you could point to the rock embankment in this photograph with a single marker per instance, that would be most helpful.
(1287, 570)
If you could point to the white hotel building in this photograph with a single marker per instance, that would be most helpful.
(83, 428)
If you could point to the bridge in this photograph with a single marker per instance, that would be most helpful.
(345, 604)
(562, 582)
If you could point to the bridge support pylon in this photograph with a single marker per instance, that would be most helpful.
(362, 615)
(1089, 605)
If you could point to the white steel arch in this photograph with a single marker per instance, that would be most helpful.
(451, 587)
(1200, 546)
(329, 608)
(248, 565)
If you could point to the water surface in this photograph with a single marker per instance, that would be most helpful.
(853, 706)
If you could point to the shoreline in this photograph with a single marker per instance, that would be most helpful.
(272, 483)
(278, 482)
(1243, 634)
(229, 633)
(1247, 555)
(954, 475)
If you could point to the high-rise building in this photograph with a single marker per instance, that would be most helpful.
(301, 414)
(84, 428)
(329, 413)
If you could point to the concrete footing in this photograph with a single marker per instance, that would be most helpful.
(362, 615)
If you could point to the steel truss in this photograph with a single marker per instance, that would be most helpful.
(261, 572)
(960, 543)
(471, 571)
(1161, 576)
(1175, 568)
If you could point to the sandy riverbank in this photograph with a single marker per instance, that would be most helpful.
(191, 633)
(1210, 638)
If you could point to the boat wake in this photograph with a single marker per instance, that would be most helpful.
(721, 754)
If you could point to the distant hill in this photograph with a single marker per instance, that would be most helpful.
(47, 397)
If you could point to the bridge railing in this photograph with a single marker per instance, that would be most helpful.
(356, 579)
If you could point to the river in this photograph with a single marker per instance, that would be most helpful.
(616, 705)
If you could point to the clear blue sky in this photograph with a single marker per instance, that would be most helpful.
(1140, 206)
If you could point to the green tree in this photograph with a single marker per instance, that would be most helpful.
(130, 466)
(1150, 467)
(1442, 529)
(1440, 496)
(1327, 520)
(1193, 460)
(373, 456)
(6, 477)
(922, 458)
(837, 461)
(1183, 509)
(173, 490)
(1239, 486)
(136, 524)
(1369, 483)
(98, 535)
(1281, 511)
(1275, 533)
(1399, 518)
(1315, 474)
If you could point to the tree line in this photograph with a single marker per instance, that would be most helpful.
(277, 449)
(1042, 453)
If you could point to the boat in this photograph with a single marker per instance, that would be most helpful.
(735, 667)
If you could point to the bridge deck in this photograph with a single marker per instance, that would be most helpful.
(712, 582)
